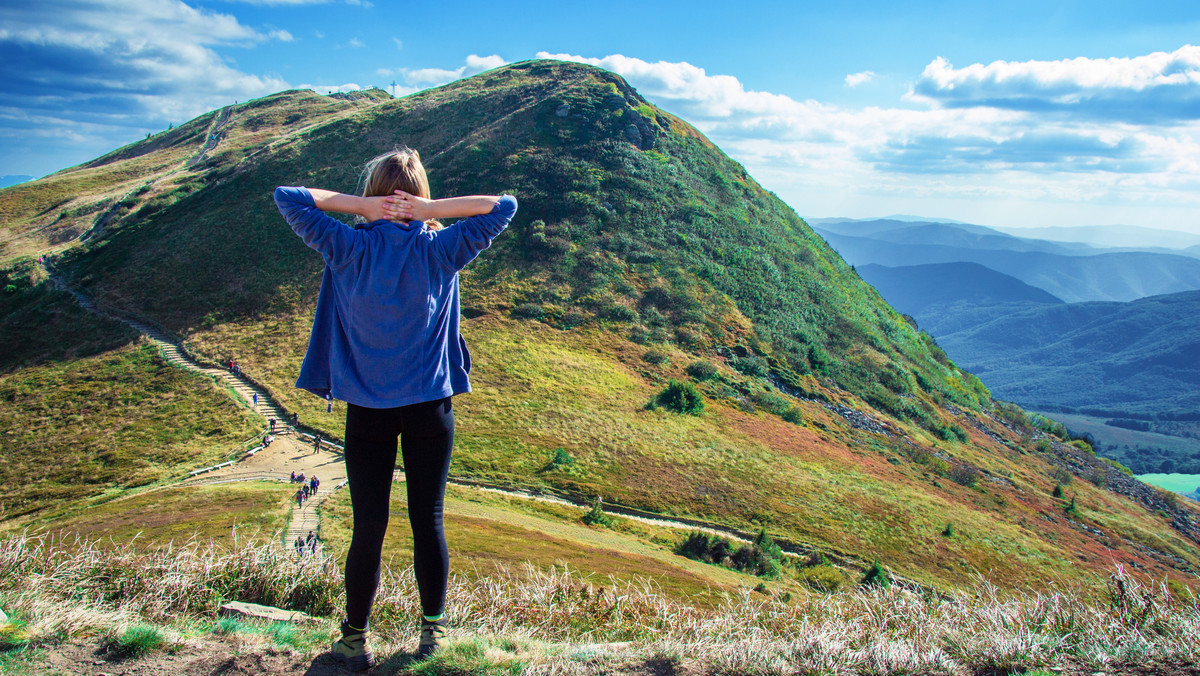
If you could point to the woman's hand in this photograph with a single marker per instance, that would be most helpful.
(405, 206)
(375, 209)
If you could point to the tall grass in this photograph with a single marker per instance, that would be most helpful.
(55, 585)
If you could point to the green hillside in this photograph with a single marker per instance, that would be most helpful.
(641, 254)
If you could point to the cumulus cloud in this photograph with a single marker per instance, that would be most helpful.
(281, 35)
(810, 150)
(855, 79)
(1155, 88)
(432, 77)
(124, 62)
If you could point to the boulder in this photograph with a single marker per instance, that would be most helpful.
(239, 609)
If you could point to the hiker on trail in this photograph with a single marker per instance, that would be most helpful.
(272, 423)
(317, 444)
(386, 341)
(293, 479)
(295, 419)
(255, 399)
(311, 536)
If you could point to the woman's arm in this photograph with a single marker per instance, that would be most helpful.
(370, 208)
(408, 207)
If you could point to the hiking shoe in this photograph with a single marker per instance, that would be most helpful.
(351, 649)
(433, 638)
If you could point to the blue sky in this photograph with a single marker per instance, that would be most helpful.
(1020, 113)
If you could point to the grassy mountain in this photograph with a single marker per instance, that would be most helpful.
(1119, 276)
(924, 290)
(641, 254)
(1138, 356)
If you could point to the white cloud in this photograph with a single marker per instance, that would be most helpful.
(432, 77)
(281, 35)
(814, 152)
(384, 72)
(319, 34)
(331, 88)
(1157, 87)
(355, 43)
(855, 79)
(399, 43)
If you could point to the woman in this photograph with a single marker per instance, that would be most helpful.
(386, 341)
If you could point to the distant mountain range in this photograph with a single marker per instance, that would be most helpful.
(1066, 270)
(1048, 324)
(1112, 236)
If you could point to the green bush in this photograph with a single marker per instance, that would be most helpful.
(751, 365)
(762, 557)
(875, 575)
(1058, 491)
(596, 516)
(702, 370)
(793, 415)
(528, 311)
(771, 402)
(560, 460)
(656, 357)
(681, 397)
(823, 577)
(617, 313)
(948, 531)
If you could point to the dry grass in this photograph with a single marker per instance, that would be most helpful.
(552, 621)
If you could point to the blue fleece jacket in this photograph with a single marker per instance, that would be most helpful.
(386, 327)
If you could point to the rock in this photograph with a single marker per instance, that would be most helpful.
(634, 135)
(237, 608)
(3, 616)
(563, 110)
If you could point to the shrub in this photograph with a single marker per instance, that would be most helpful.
(681, 397)
(1058, 491)
(617, 313)
(596, 516)
(964, 474)
(10, 288)
(751, 365)
(875, 575)
(1071, 508)
(560, 460)
(528, 311)
(762, 557)
(688, 338)
(823, 577)
(948, 531)
(1062, 476)
(793, 415)
(656, 357)
(702, 370)
(771, 402)
(639, 334)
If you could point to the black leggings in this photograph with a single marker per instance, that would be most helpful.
(426, 432)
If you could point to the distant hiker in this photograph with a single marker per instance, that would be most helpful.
(317, 444)
(328, 403)
(311, 536)
(386, 341)
(272, 423)
(293, 479)
(313, 484)
(255, 394)
(295, 419)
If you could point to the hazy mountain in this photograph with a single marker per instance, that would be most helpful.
(947, 297)
(1140, 356)
(1107, 276)
(1116, 236)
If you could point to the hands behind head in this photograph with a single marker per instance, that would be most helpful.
(404, 206)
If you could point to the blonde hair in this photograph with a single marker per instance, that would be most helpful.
(400, 169)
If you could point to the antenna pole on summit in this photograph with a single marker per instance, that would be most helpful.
(393, 88)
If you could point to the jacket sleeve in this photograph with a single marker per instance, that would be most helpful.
(334, 240)
(460, 243)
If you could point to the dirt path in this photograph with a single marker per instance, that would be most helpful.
(305, 519)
